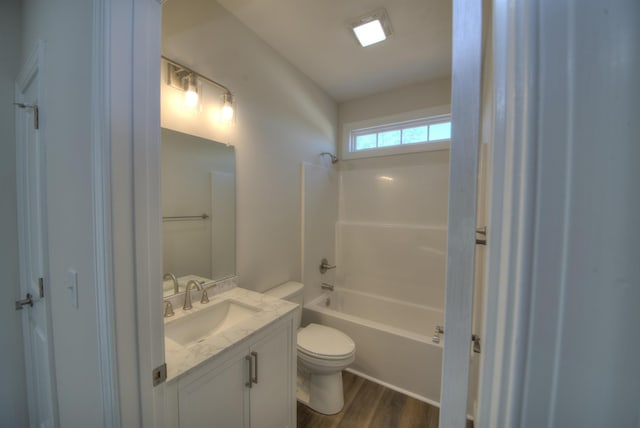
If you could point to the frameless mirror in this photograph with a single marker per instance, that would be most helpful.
(198, 209)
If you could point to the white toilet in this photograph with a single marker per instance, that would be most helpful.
(323, 352)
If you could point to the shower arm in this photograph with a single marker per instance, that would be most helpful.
(334, 158)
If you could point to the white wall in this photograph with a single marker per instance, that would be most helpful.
(393, 209)
(65, 127)
(582, 362)
(283, 119)
(13, 398)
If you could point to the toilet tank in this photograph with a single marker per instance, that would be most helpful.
(291, 291)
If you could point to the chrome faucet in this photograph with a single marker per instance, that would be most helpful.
(187, 294)
(326, 286)
(176, 286)
(325, 266)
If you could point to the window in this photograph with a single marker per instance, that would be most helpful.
(426, 133)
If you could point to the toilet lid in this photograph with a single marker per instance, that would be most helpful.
(324, 341)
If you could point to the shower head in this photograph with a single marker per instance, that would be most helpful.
(333, 157)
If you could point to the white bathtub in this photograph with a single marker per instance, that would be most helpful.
(393, 341)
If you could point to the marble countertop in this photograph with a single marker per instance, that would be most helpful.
(182, 359)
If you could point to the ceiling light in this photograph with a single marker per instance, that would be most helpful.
(372, 28)
(370, 33)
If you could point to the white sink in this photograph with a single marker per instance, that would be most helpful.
(214, 319)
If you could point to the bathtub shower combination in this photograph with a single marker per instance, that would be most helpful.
(390, 251)
(393, 339)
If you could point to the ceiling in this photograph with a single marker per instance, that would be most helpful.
(315, 36)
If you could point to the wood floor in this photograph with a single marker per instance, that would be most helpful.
(369, 405)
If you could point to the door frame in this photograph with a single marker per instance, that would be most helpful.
(33, 69)
(125, 104)
(466, 84)
(512, 212)
(138, 26)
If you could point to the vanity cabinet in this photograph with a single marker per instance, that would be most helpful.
(252, 384)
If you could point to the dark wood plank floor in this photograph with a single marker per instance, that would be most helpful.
(369, 405)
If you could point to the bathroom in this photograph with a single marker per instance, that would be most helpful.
(82, 252)
(380, 219)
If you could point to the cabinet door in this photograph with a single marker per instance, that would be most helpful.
(272, 398)
(217, 397)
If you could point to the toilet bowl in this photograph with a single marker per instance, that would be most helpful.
(323, 352)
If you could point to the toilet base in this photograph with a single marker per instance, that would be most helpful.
(321, 392)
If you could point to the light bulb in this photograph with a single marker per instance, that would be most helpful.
(227, 108)
(227, 112)
(191, 96)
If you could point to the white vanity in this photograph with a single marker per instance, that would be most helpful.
(231, 362)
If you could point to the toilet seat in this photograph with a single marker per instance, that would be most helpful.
(325, 343)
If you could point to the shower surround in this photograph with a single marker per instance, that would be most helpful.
(390, 251)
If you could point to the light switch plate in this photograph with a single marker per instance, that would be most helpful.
(72, 287)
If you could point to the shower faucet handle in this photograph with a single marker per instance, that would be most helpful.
(325, 266)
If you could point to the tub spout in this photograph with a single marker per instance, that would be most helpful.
(326, 286)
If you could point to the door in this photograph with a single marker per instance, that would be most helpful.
(463, 175)
(217, 397)
(272, 400)
(31, 162)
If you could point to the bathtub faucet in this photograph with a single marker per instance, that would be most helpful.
(326, 286)
(325, 266)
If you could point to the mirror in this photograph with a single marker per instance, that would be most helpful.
(198, 209)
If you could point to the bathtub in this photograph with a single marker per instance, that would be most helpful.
(393, 341)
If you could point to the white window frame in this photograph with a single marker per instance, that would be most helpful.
(413, 118)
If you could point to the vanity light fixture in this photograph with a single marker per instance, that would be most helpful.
(187, 80)
(372, 28)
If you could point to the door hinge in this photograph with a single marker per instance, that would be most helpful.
(483, 232)
(36, 113)
(41, 287)
(159, 374)
(476, 343)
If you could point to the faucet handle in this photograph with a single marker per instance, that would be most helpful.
(168, 309)
(325, 266)
(205, 296)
